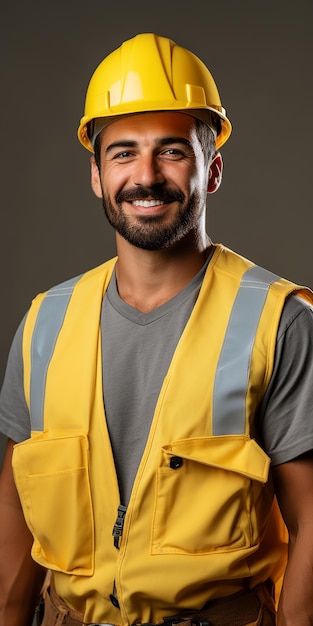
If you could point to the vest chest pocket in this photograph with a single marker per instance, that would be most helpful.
(52, 478)
(209, 496)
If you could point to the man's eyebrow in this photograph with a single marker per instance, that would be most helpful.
(169, 140)
(163, 141)
(121, 143)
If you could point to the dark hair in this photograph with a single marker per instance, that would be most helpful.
(97, 150)
(204, 134)
(206, 138)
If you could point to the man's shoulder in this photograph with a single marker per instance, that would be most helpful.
(297, 311)
(91, 274)
(66, 287)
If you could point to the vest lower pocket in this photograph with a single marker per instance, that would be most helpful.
(209, 496)
(52, 478)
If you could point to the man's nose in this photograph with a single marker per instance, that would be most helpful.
(148, 171)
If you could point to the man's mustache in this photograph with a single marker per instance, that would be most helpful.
(155, 192)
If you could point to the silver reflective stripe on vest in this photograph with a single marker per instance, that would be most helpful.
(48, 324)
(232, 374)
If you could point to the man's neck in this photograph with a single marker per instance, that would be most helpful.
(147, 279)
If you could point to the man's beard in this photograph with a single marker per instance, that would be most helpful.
(149, 231)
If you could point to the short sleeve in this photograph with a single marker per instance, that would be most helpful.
(285, 418)
(14, 414)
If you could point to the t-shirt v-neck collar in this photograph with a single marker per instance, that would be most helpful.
(138, 317)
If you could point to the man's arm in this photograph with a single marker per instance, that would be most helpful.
(294, 489)
(20, 577)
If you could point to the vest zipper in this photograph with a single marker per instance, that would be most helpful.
(118, 526)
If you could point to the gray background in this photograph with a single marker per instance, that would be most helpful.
(260, 53)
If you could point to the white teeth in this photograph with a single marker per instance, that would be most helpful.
(147, 203)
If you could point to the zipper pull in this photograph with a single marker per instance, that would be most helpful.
(118, 526)
(114, 598)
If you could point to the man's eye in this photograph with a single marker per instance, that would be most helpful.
(122, 155)
(172, 153)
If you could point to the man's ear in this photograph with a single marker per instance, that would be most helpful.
(215, 173)
(95, 178)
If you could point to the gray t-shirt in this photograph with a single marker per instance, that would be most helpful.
(141, 346)
(137, 350)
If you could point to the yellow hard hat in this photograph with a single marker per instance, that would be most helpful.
(150, 73)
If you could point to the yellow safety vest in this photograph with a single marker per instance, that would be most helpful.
(202, 515)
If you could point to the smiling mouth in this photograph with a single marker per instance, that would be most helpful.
(147, 203)
(149, 197)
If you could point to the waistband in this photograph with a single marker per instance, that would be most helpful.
(246, 607)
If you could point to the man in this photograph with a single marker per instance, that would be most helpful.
(162, 400)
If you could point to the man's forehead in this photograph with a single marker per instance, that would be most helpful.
(158, 123)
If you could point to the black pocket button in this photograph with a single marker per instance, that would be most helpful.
(176, 462)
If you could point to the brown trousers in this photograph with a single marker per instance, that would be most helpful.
(251, 608)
